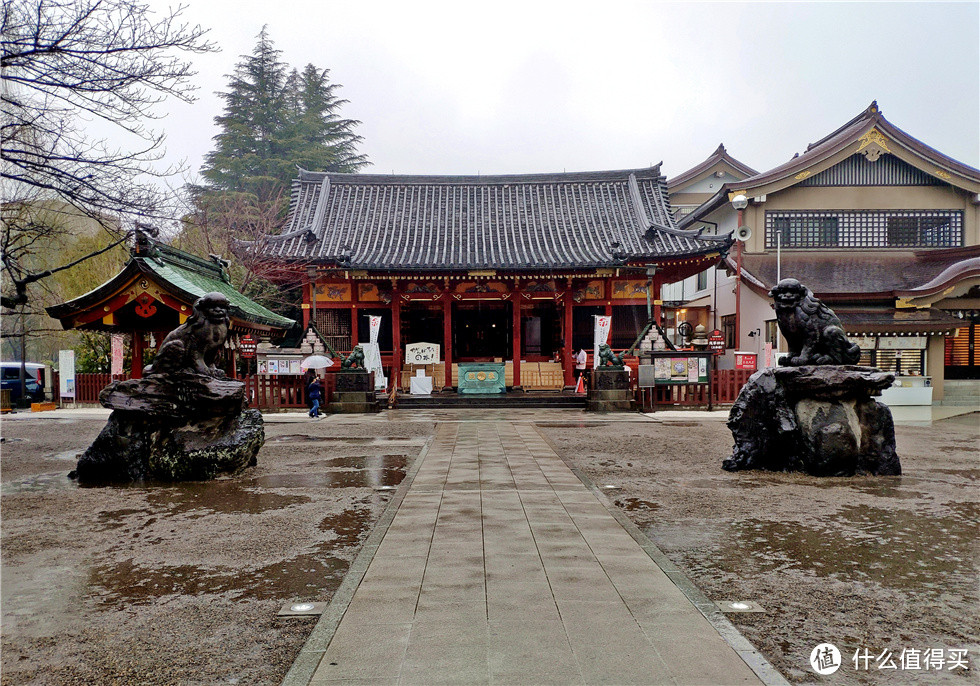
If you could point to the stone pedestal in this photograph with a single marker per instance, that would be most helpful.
(610, 391)
(174, 427)
(353, 393)
(822, 420)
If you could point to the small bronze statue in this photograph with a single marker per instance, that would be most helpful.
(355, 360)
(813, 332)
(194, 345)
(607, 358)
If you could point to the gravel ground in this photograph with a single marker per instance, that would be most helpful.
(882, 563)
(181, 583)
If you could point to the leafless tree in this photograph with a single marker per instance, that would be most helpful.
(67, 60)
(238, 224)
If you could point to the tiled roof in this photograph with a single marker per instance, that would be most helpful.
(196, 278)
(719, 155)
(926, 320)
(189, 276)
(847, 134)
(519, 222)
(852, 275)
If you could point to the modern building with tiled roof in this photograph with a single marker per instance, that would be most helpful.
(155, 292)
(881, 226)
(689, 189)
(505, 269)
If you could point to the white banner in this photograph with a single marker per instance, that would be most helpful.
(422, 353)
(602, 325)
(66, 373)
(117, 354)
(372, 353)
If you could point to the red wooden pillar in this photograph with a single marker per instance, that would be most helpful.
(308, 291)
(568, 357)
(657, 283)
(234, 363)
(516, 306)
(396, 336)
(609, 301)
(137, 362)
(354, 327)
(447, 335)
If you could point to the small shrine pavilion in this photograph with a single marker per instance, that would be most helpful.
(503, 269)
(155, 293)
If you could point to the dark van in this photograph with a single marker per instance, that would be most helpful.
(10, 379)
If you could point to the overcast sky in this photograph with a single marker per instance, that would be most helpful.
(475, 87)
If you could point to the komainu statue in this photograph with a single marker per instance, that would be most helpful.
(184, 420)
(355, 360)
(816, 412)
(812, 331)
(194, 345)
(607, 358)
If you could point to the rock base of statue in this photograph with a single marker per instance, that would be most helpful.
(353, 393)
(610, 391)
(175, 427)
(822, 420)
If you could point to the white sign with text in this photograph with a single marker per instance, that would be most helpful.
(422, 353)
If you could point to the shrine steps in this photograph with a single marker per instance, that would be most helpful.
(515, 399)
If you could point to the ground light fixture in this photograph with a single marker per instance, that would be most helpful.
(735, 606)
(301, 608)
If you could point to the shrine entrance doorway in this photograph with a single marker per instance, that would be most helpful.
(482, 331)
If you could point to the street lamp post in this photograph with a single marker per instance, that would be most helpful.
(739, 202)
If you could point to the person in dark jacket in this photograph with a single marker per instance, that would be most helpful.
(315, 392)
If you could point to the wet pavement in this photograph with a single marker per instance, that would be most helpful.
(501, 566)
(166, 583)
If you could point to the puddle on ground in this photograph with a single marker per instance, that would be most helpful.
(635, 505)
(571, 424)
(292, 438)
(348, 526)
(37, 483)
(224, 496)
(368, 478)
(304, 576)
(900, 548)
(366, 462)
(309, 576)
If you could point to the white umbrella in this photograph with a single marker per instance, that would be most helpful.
(316, 362)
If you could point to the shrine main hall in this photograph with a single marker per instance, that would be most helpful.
(492, 268)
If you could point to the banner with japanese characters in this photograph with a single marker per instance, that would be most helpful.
(602, 325)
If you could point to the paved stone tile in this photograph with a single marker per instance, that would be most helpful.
(501, 567)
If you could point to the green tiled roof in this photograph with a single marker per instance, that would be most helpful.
(196, 277)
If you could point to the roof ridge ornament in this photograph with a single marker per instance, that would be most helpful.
(873, 144)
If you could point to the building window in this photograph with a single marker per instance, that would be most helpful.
(728, 329)
(865, 229)
(702, 280)
(771, 329)
(334, 326)
(898, 361)
(806, 231)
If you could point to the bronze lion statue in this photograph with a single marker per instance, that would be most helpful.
(813, 332)
(607, 358)
(355, 360)
(194, 345)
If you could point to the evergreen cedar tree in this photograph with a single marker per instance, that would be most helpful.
(274, 120)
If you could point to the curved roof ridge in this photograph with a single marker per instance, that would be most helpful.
(719, 155)
(847, 134)
(482, 179)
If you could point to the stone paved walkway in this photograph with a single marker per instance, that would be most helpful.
(501, 567)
